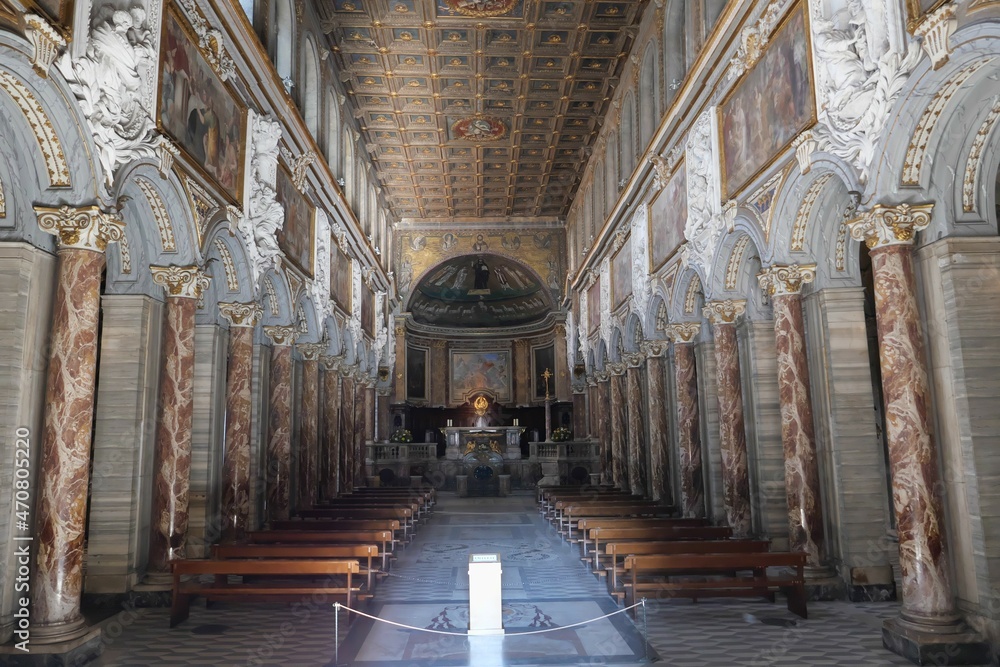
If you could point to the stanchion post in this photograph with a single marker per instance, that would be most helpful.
(336, 635)
(645, 630)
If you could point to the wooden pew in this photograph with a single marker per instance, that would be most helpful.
(656, 576)
(342, 525)
(572, 513)
(560, 504)
(427, 496)
(382, 537)
(363, 553)
(403, 514)
(422, 502)
(333, 570)
(549, 499)
(586, 523)
(680, 533)
(617, 551)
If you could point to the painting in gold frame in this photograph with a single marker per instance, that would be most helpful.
(621, 274)
(297, 236)
(667, 218)
(367, 310)
(198, 110)
(771, 104)
(594, 307)
(340, 277)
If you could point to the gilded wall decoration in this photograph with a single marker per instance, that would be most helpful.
(232, 281)
(485, 128)
(736, 261)
(163, 224)
(49, 145)
(3, 202)
(974, 165)
(761, 201)
(203, 206)
(480, 8)
(805, 211)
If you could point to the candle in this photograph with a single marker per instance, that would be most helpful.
(516, 422)
(449, 422)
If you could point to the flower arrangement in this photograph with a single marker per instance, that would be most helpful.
(401, 435)
(562, 434)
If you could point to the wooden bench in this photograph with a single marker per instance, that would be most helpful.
(572, 513)
(403, 514)
(617, 551)
(300, 537)
(342, 525)
(363, 553)
(548, 499)
(560, 505)
(584, 524)
(221, 570)
(679, 533)
(426, 497)
(677, 576)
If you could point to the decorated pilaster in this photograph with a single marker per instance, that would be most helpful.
(235, 509)
(308, 446)
(656, 402)
(382, 421)
(637, 407)
(692, 481)
(928, 617)
(361, 403)
(805, 511)
(332, 400)
(347, 431)
(579, 412)
(592, 432)
(172, 466)
(83, 235)
(733, 440)
(279, 423)
(603, 419)
(619, 427)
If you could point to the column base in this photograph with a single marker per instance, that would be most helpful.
(944, 645)
(48, 650)
(823, 585)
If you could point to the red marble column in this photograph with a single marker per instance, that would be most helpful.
(382, 429)
(593, 432)
(235, 506)
(928, 601)
(637, 406)
(279, 423)
(604, 424)
(331, 424)
(805, 504)
(733, 439)
(364, 426)
(347, 433)
(83, 235)
(619, 428)
(172, 460)
(308, 446)
(579, 412)
(658, 429)
(692, 481)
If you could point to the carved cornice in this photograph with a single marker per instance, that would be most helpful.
(890, 225)
(753, 40)
(683, 332)
(280, 334)
(183, 282)
(782, 280)
(241, 314)
(311, 351)
(84, 228)
(724, 312)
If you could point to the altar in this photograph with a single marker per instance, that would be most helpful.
(504, 440)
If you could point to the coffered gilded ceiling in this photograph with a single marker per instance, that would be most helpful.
(480, 108)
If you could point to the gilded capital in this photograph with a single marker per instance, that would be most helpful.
(280, 334)
(241, 314)
(83, 228)
(311, 351)
(616, 369)
(183, 282)
(331, 362)
(683, 332)
(602, 376)
(890, 225)
(781, 280)
(654, 348)
(724, 312)
(634, 359)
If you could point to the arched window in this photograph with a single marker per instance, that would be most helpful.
(284, 28)
(333, 133)
(649, 96)
(348, 167)
(309, 90)
(600, 176)
(627, 138)
(610, 193)
(675, 55)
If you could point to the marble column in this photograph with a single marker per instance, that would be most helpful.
(637, 407)
(659, 435)
(802, 489)
(172, 467)
(603, 417)
(347, 432)
(593, 432)
(364, 426)
(732, 434)
(308, 409)
(235, 505)
(692, 480)
(619, 427)
(382, 423)
(579, 412)
(83, 235)
(279, 423)
(331, 424)
(928, 616)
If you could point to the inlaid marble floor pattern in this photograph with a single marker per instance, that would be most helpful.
(544, 586)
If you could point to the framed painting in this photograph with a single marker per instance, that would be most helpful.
(667, 218)
(416, 372)
(621, 274)
(594, 307)
(340, 277)
(367, 310)
(477, 371)
(769, 106)
(544, 358)
(197, 109)
(296, 238)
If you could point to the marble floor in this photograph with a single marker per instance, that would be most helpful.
(544, 588)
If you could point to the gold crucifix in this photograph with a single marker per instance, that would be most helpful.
(547, 374)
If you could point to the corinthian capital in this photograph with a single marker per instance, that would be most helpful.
(84, 228)
(890, 225)
(280, 335)
(311, 351)
(241, 314)
(724, 312)
(683, 332)
(780, 280)
(184, 282)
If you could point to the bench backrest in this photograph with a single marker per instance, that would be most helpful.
(686, 547)
(616, 510)
(321, 536)
(336, 524)
(223, 551)
(661, 534)
(738, 561)
(588, 522)
(359, 513)
(265, 566)
(603, 502)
